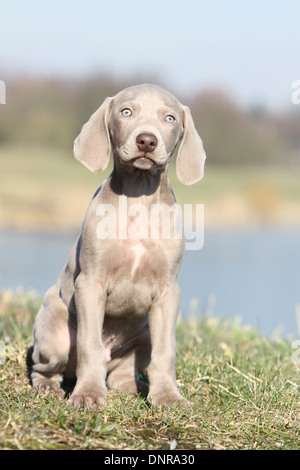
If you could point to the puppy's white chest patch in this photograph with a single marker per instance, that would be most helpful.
(138, 252)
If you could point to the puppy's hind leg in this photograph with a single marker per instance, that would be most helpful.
(53, 351)
(123, 371)
(123, 376)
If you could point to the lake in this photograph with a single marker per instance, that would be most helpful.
(254, 275)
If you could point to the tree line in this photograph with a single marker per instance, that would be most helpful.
(51, 112)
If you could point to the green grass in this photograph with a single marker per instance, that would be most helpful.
(244, 388)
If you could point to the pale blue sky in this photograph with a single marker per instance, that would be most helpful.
(249, 48)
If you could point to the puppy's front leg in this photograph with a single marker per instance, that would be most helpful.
(90, 389)
(162, 377)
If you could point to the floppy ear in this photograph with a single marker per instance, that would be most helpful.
(92, 146)
(190, 155)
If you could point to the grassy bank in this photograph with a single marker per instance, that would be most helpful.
(49, 189)
(244, 388)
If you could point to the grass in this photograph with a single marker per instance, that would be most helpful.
(244, 389)
(48, 188)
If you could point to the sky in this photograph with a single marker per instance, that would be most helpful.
(249, 49)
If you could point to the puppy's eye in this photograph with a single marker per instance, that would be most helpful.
(126, 112)
(169, 118)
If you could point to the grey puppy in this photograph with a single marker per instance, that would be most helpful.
(113, 310)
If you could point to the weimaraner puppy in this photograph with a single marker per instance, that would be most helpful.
(113, 310)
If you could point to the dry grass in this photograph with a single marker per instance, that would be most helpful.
(47, 188)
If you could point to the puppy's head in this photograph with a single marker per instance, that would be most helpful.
(142, 126)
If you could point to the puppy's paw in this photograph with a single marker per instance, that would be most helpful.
(47, 387)
(88, 398)
(169, 398)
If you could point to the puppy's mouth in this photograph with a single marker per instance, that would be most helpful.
(143, 160)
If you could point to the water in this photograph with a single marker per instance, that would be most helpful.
(251, 274)
(254, 275)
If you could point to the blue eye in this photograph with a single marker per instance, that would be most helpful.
(169, 118)
(126, 112)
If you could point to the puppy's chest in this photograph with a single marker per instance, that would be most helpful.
(137, 272)
(136, 261)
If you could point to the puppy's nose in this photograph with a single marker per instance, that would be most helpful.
(146, 142)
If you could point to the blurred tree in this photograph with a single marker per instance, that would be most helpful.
(235, 136)
(51, 112)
